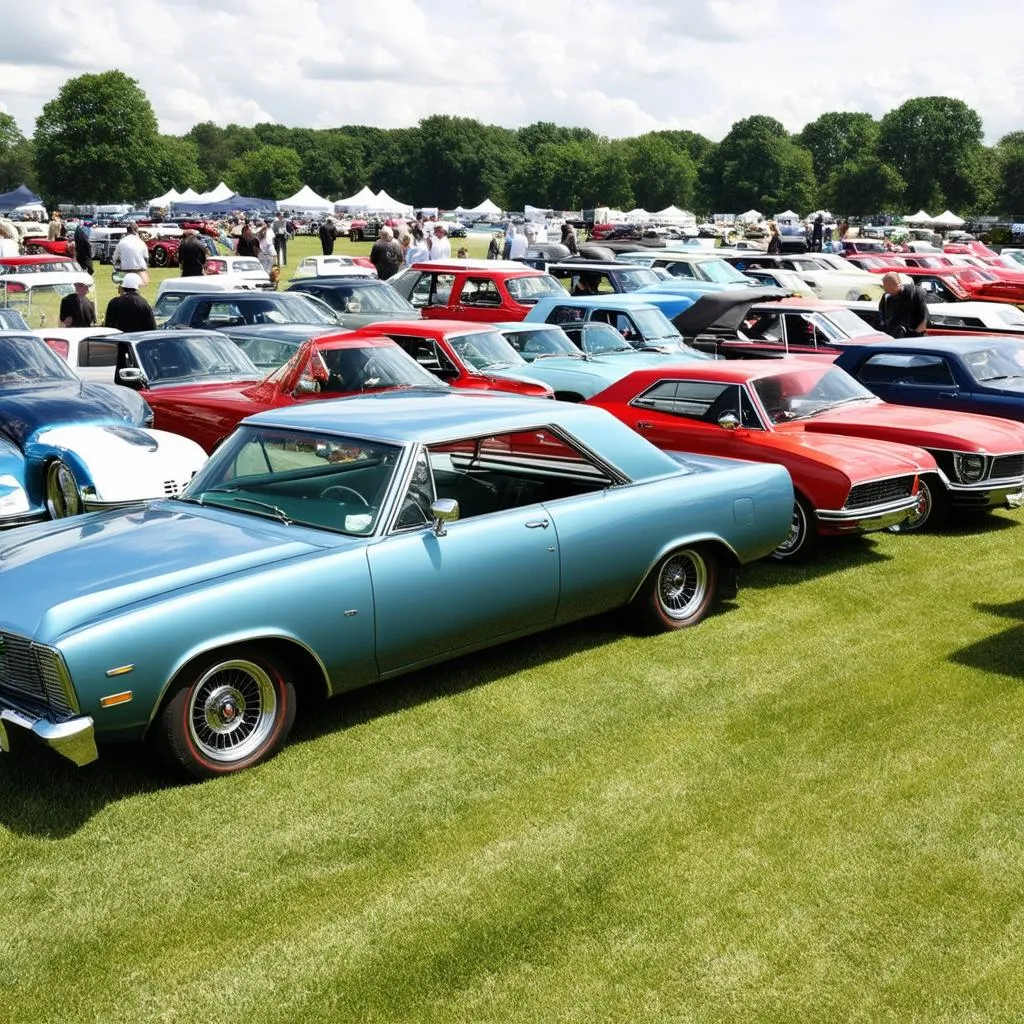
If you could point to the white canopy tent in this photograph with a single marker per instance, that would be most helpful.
(173, 196)
(750, 217)
(357, 202)
(919, 218)
(190, 195)
(486, 207)
(216, 195)
(947, 219)
(639, 216)
(787, 217)
(673, 215)
(385, 204)
(306, 200)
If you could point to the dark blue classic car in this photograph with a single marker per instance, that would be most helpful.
(331, 545)
(68, 444)
(967, 374)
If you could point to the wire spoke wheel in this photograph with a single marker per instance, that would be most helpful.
(232, 711)
(62, 495)
(682, 585)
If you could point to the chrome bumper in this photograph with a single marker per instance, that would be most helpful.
(986, 494)
(869, 519)
(74, 739)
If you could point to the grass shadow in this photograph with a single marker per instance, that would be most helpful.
(1002, 653)
(833, 554)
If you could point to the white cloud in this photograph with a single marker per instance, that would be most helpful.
(618, 68)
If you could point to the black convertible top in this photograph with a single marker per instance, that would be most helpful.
(723, 310)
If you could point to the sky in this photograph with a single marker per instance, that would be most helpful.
(618, 67)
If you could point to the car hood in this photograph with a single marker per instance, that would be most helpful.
(929, 428)
(24, 410)
(60, 575)
(860, 458)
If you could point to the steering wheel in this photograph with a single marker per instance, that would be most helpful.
(779, 415)
(339, 492)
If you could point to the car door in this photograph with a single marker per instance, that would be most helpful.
(478, 299)
(492, 574)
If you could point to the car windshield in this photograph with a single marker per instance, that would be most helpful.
(180, 355)
(807, 392)
(25, 359)
(720, 272)
(298, 478)
(597, 338)
(529, 289)
(12, 320)
(536, 343)
(381, 298)
(485, 350)
(996, 362)
(635, 278)
(654, 324)
(844, 323)
(246, 266)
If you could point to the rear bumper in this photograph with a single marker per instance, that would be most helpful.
(74, 738)
(866, 520)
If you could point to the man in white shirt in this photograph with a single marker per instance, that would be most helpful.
(132, 255)
(442, 248)
(519, 245)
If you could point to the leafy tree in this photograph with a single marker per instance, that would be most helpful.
(269, 172)
(16, 156)
(93, 141)
(934, 142)
(219, 147)
(662, 174)
(757, 164)
(1009, 184)
(864, 186)
(175, 164)
(838, 138)
(332, 162)
(695, 145)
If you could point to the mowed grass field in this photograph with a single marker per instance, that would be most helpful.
(808, 808)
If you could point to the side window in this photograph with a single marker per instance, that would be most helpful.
(900, 368)
(433, 290)
(763, 327)
(414, 510)
(565, 315)
(680, 270)
(480, 291)
(93, 352)
(800, 331)
(692, 399)
(506, 471)
(429, 355)
(622, 322)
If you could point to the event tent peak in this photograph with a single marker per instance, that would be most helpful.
(305, 199)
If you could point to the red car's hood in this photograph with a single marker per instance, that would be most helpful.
(929, 428)
(859, 458)
(223, 390)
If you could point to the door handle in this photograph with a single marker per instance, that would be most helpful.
(537, 524)
(643, 425)
(947, 394)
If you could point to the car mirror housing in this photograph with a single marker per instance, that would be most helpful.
(131, 376)
(442, 511)
(729, 421)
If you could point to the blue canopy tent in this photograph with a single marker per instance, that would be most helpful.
(21, 196)
(233, 204)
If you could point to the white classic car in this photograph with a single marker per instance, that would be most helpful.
(331, 266)
(87, 350)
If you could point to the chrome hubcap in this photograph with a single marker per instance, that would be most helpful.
(232, 710)
(682, 585)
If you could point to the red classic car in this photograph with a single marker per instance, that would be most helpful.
(491, 291)
(53, 246)
(200, 384)
(462, 354)
(985, 284)
(803, 414)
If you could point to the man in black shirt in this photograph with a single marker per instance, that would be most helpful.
(386, 254)
(76, 309)
(191, 255)
(903, 308)
(130, 311)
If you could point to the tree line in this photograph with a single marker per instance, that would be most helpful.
(98, 141)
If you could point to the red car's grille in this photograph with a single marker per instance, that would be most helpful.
(878, 492)
(1007, 466)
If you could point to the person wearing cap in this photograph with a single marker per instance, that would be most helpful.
(441, 248)
(130, 311)
(77, 309)
(131, 255)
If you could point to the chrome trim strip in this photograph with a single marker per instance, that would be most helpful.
(870, 514)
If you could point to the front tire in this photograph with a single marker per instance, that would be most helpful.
(63, 497)
(677, 593)
(802, 536)
(228, 711)
(932, 508)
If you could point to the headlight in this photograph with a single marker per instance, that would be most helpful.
(969, 468)
(13, 499)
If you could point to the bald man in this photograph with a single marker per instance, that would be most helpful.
(903, 308)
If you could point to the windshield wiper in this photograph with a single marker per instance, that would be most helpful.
(278, 512)
(1001, 376)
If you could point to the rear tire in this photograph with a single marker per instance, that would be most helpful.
(227, 711)
(677, 593)
(802, 535)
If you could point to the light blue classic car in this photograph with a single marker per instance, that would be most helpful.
(327, 546)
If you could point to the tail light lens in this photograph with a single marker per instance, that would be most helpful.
(59, 345)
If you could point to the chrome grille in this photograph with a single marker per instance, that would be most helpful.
(1007, 466)
(878, 492)
(31, 671)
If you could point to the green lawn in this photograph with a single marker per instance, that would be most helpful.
(806, 809)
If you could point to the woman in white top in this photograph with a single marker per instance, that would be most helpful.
(268, 251)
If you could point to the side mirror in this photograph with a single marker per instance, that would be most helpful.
(132, 377)
(729, 421)
(306, 386)
(443, 510)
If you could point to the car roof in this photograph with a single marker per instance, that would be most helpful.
(585, 265)
(428, 328)
(425, 415)
(26, 261)
(729, 371)
(280, 332)
(455, 266)
(945, 344)
(618, 300)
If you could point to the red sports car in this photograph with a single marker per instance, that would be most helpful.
(465, 355)
(813, 418)
(201, 385)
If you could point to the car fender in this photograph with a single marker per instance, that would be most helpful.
(119, 464)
